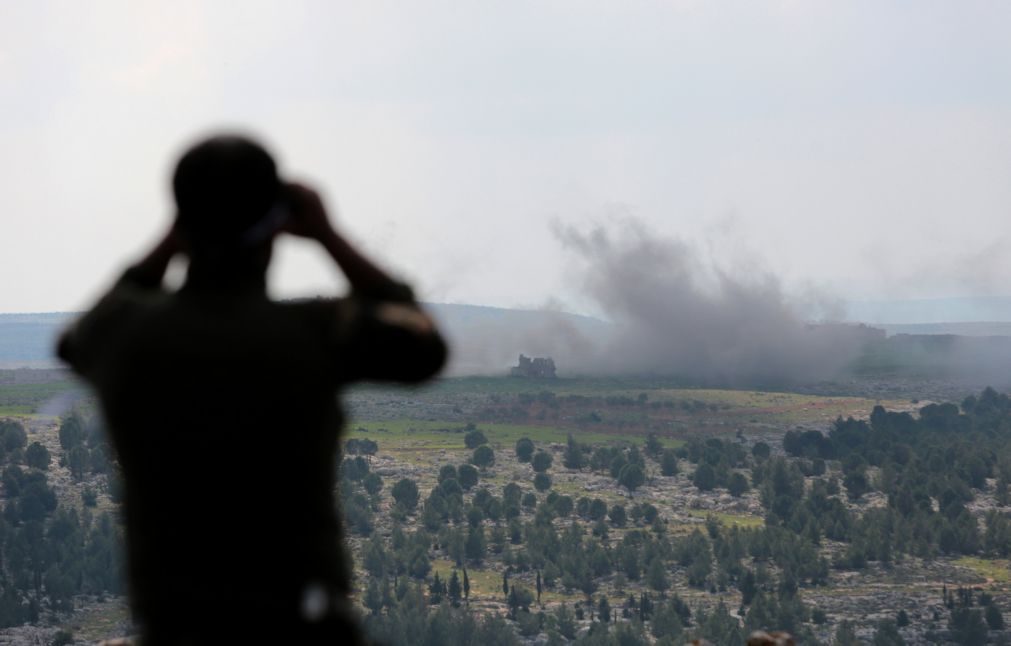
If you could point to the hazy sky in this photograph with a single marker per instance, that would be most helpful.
(860, 148)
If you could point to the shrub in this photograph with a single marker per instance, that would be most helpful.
(483, 456)
(474, 439)
(524, 449)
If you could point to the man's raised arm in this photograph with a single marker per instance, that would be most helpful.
(82, 340)
(397, 341)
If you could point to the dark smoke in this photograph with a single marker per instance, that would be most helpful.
(673, 313)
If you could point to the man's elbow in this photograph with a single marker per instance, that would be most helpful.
(424, 351)
(428, 359)
(64, 347)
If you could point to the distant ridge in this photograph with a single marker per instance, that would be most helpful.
(961, 309)
(27, 339)
(484, 339)
(972, 328)
(460, 313)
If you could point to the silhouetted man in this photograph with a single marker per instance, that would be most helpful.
(222, 407)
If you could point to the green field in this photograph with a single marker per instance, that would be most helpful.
(730, 520)
(99, 620)
(484, 584)
(993, 570)
(594, 410)
(679, 408)
(28, 399)
(435, 435)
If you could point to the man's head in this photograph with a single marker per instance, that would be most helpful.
(226, 189)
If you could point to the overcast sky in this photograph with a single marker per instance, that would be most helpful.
(861, 149)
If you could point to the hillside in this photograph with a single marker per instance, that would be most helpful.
(486, 340)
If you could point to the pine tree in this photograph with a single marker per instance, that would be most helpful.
(454, 589)
(566, 622)
(994, 618)
(388, 594)
(373, 596)
(604, 609)
(845, 635)
(538, 586)
(466, 586)
(656, 577)
(436, 590)
(475, 547)
(505, 584)
(653, 445)
(573, 458)
(748, 587)
(513, 601)
(645, 607)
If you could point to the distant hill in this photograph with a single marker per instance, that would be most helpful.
(27, 340)
(489, 340)
(957, 329)
(485, 340)
(930, 310)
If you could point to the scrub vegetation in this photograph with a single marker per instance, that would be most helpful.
(593, 511)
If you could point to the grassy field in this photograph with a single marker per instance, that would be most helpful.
(561, 386)
(629, 406)
(993, 570)
(751, 406)
(666, 399)
(408, 434)
(29, 399)
(729, 520)
(484, 584)
(594, 411)
(654, 388)
(98, 621)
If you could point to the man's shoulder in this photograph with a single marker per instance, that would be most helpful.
(101, 327)
(325, 308)
(335, 315)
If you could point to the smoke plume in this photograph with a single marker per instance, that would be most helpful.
(673, 312)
